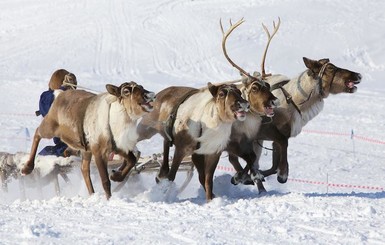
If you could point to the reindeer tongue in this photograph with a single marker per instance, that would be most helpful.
(350, 84)
(269, 111)
(241, 115)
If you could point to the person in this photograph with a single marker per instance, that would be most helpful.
(63, 80)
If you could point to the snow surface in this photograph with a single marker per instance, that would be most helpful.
(159, 43)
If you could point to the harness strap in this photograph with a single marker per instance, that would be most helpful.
(169, 124)
(288, 97)
(289, 100)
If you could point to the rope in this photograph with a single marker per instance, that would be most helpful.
(73, 86)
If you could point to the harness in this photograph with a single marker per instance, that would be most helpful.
(169, 123)
(288, 97)
(320, 75)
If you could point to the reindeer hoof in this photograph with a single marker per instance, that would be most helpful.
(257, 176)
(117, 176)
(242, 178)
(159, 178)
(282, 179)
(234, 180)
(27, 169)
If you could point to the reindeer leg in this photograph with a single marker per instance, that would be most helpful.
(282, 164)
(241, 176)
(199, 162)
(211, 162)
(128, 163)
(86, 160)
(3, 178)
(101, 163)
(177, 159)
(237, 178)
(165, 167)
(117, 175)
(30, 164)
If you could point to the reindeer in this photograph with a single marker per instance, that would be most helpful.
(197, 122)
(96, 125)
(257, 92)
(300, 100)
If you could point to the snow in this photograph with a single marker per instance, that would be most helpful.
(336, 190)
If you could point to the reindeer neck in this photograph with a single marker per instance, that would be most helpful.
(304, 90)
(122, 127)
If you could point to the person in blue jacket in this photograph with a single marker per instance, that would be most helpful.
(60, 79)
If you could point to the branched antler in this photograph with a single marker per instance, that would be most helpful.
(269, 37)
(224, 39)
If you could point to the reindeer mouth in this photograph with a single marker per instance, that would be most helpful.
(350, 88)
(147, 106)
(240, 115)
(269, 111)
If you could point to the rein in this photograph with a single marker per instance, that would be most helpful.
(288, 97)
(269, 149)
(73, 86)
(320, 75)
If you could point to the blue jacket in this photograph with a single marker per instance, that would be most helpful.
(45, 102)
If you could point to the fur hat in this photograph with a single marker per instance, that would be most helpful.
(59, 76)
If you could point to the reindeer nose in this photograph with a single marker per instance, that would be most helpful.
(275, 102)
(359, 76)
(244, 105)
(150, 96)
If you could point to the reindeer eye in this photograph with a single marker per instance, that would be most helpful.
(126, 91)
(331, 67)
(221, 94)
(254, 88)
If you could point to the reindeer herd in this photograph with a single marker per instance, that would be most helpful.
(235, 117)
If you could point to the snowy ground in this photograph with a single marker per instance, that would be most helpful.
(336, 190)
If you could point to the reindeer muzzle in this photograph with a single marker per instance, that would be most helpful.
(240, 113)
(149, 98)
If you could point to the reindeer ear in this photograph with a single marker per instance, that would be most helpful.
(112, 89)
(309, 63)
(324, 61)
(213, 89)
(312, 65)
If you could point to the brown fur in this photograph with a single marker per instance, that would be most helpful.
(59, 76)
(83, 121)
(287, 122)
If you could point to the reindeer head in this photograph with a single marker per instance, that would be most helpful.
(331, 78)
(229, 102)
(134, 97)
(262, 101)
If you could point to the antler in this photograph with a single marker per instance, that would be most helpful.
(224, 39)
(269, 37)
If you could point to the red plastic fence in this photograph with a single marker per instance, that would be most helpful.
(313, 182)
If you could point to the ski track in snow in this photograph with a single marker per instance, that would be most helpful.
(170, 42)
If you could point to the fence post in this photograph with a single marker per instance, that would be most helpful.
(354, 147)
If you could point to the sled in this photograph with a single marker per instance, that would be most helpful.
(10, 165)
(152, 164)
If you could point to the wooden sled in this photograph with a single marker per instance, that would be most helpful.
(10, 165)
